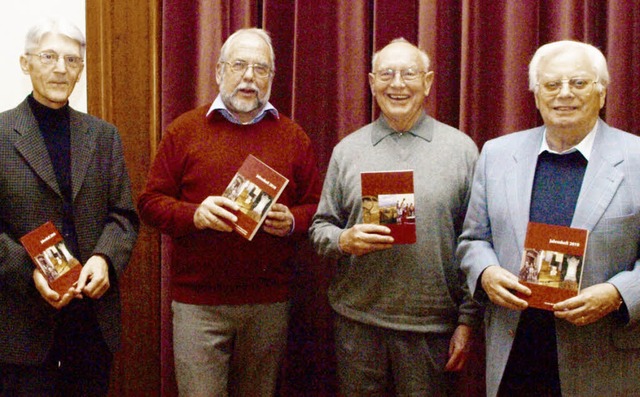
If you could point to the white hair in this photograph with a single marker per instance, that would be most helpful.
(595, 56)
(56, 26)
(263, 34)
(423, 55)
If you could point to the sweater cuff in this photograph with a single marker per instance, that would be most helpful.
(472, 321)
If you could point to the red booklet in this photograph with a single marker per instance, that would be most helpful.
(46, 248)
(552, 263)
(388, 199)
(255, 188)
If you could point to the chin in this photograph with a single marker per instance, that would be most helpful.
(245, 107)
(566, 124)
(58, 97)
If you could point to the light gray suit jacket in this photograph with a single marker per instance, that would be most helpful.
(104, 216)
(594, 360)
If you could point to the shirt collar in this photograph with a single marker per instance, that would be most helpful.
(584, 147)
(384, 130)
(220, 107)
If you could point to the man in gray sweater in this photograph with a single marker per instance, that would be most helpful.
(404, 319)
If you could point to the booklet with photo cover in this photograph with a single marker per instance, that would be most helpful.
(48, 251)
(255, 188)
(552, 263)
(388, 199)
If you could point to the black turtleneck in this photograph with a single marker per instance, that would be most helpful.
(56, 132)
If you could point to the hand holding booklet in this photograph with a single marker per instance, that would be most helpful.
(552, 263)
(49, 253)
(255, 188)
(388, 199)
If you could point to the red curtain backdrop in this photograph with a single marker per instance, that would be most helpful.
(480, 52)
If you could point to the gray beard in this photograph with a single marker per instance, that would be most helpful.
(238, 106)
(241, 106)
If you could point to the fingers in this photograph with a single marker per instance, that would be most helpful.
(499, 284)
(459, 348)
(43, 287)
(96, 290)
(279, 220)
(94, 277)
(279, 213)
(50, 296)
(362, 239)
(590, 305)
(457, 360)
(574, 310)
(213, 212)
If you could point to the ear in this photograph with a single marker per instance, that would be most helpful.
(372, 81)
(24, 64)
(428, 81)
(603, 96)
(219, 72)
(535, 97)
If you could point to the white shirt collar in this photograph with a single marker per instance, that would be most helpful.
(584, 147)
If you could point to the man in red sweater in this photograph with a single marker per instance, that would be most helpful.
(230, 295)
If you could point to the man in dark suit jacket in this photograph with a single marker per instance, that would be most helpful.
(67, 167)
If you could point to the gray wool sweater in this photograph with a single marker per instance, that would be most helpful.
(416, 287)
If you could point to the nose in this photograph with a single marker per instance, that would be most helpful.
(248, 75)
(397, 78)
(565, 88)
(60, 65)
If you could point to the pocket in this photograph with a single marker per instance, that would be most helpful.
(613, 247)
(619, 226)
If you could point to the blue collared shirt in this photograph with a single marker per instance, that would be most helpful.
(219, 106)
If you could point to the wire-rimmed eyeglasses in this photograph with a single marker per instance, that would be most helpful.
(577, 85)
(241, 67)
(386, 75)
(51, 58)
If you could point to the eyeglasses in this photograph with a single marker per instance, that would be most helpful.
(387, 75)
(241, 67)
(51, 58)
(577, 85)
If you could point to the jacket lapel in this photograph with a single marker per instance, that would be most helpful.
(519, 182)
(32, 147)
(601, 180)
(83, 143)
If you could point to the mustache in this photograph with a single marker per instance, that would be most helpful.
(252, 87)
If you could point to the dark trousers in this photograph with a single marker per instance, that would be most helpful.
(532, 368)
(78, 364)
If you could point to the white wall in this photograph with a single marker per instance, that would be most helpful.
(16, 17)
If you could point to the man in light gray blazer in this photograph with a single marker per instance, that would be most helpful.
(66, 167)
(575, 171)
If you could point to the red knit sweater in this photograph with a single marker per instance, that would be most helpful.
(197, 158)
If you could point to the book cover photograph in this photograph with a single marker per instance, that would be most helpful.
(388, 199)
(49, 253)
(552, 263)
(255, 188)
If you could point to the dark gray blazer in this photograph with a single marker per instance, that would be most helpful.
(105, 220)
(600, 359)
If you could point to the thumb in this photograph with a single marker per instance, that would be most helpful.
(82, 279)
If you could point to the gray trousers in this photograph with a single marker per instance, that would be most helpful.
(374, 361)
(224, 351)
